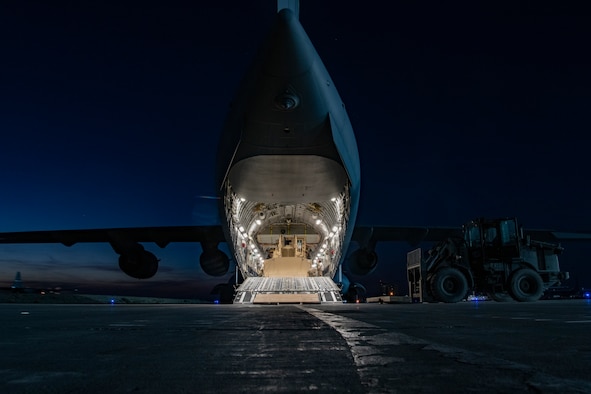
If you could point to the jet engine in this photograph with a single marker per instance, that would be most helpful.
(140, 264)
(213, 261)
(352, 291)
(363, 261)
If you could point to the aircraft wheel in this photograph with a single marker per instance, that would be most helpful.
(526, 285)
(449, 285)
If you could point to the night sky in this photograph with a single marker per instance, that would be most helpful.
(110, 115)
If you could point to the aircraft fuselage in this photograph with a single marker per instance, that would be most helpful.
(290, 180)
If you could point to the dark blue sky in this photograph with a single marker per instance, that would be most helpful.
(110, 114)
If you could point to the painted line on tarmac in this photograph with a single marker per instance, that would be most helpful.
(125, 324)
(367, 355)
(366, 342)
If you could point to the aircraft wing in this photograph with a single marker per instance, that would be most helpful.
(558, 236)
(134, 260)
(363, 259)
(370, 235)
(161, 236)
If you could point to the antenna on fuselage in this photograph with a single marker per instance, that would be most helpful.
(293, 5)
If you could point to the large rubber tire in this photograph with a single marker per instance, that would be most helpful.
(449, 285)
(526, 285)
(500, 297)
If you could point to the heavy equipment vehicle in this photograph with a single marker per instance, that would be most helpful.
(493, 257)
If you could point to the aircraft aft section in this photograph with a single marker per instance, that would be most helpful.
(289, 275)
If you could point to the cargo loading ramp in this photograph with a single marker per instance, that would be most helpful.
(288, 290)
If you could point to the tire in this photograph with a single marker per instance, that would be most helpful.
(500, 296)
(449, 285)
(526, 285)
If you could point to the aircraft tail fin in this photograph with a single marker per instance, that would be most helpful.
(18, 283)
(293, 5)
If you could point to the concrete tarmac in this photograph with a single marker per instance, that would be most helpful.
(469, 347)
